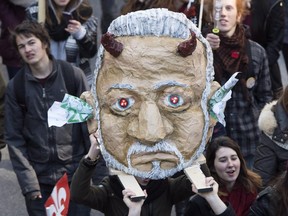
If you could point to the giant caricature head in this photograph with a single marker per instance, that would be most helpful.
(151, 99)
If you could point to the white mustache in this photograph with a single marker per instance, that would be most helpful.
(157, 172)
(162, 146)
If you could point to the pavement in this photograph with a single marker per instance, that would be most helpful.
(12, 202)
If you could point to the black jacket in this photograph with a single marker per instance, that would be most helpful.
(265, 204)
(272, 153)
(107, 197)
(42, 154)
(268, 26)
(198, 206)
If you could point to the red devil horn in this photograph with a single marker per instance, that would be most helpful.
(111, 45)
(187, 47)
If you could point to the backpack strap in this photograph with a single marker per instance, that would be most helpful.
(250, 72)
(19, 89)
(67, 71)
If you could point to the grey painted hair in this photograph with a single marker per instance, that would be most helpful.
(156, 22)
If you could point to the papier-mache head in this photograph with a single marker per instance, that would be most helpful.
(153, 79)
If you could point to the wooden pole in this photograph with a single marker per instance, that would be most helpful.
(41, 11)
(200, 14)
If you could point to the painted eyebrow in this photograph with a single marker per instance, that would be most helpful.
(169, 83)
(156, 87)
(121, 86)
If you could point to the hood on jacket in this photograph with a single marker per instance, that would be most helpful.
(267, 121)
(273, 121)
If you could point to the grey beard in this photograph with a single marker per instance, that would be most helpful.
(162, 146)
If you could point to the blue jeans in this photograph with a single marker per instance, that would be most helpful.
(37, 208)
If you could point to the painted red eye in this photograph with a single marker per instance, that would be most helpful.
(174, 99)
(123, 102)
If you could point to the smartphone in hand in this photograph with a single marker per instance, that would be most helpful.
(67, 16)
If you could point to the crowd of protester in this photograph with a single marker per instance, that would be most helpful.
(247, 162)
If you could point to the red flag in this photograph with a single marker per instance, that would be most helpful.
(58, 203)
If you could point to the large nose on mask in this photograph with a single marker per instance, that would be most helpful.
(150, 126)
